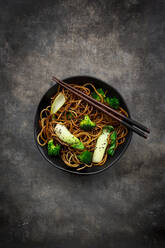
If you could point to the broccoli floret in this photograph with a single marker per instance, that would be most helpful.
(87, 124)
(107, 99)
(113, 137)
(112, 147)
(113, 102)
(96, 96)
(101, 92)
(85, 157)
(53, 150)
(111, 151)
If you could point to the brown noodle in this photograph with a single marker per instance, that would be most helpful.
(78, 108)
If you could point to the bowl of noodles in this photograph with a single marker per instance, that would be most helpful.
(69, 132)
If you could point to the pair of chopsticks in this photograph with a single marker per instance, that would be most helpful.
(128, 122)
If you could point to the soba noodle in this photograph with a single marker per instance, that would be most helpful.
(78, 108)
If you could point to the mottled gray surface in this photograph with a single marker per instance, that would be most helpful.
(121, 42)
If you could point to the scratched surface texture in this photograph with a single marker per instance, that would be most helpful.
(122, 43)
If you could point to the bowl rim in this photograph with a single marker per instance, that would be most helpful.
(77, 172)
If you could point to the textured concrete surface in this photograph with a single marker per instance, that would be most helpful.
(121, 42)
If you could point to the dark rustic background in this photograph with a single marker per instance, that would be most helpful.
(121, 42)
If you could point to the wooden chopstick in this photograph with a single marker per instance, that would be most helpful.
(129, 120)
(100, 106)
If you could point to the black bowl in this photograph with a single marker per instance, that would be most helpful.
(57, 161)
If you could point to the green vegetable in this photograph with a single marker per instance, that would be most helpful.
(96, 96)
(112, 147)
(101, 92)
(113, 137)
(79, 146)
(108, 128)
(63, 134)
(107, 100)
(111, 151)
(85, 157)
(113, 102)
(69, 115)
(53, 150)
(101, 144)
(87, 124)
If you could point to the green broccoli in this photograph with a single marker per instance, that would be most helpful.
(101, 92)
(113, 137)
(87, 124)
(112, 102)
(111, 151)
(85, 157)
(96, 96)
(53, 150)
(112, 147)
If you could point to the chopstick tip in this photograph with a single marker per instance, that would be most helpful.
(148, 130)
(145, 136)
